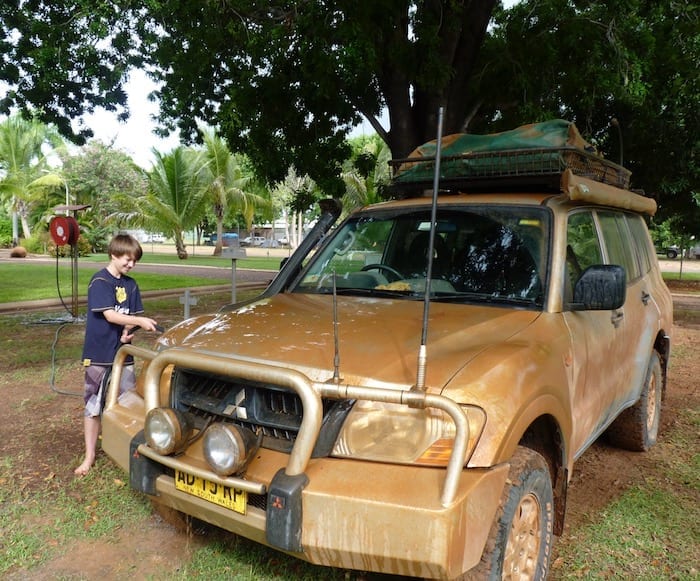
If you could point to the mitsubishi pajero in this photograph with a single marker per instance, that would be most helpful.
(410, 393)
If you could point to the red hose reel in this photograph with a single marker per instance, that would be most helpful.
(64, 230)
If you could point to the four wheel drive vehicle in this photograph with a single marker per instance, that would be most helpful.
(411, 397)
(671, 252)
(253, 241)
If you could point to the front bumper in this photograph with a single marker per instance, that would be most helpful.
(405, 520)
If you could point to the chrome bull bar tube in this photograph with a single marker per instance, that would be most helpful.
(116, 375)
(252, 371)
(310, 394)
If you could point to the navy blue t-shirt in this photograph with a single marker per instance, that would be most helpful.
(106, 292)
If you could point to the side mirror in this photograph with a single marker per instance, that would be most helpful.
(601, 287)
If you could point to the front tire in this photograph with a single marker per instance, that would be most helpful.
(520, 542)
(637, 427)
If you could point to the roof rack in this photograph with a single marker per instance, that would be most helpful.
(499, 168)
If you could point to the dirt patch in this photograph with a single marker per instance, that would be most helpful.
(41, 431)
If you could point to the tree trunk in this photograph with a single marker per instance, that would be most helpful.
(413, 116)
(219, 213)
(180, 246)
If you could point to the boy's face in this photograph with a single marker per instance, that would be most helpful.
(123, 264)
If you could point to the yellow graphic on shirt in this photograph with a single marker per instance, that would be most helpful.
(120, 294)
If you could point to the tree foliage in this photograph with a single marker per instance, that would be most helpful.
(175, 199)
(285, 81)
(625, 71)
(24, 146)
(98, 175)
(228, 185)
(63, 58)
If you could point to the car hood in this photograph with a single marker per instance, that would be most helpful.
(378, 339)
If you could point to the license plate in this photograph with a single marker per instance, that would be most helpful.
(225, 496)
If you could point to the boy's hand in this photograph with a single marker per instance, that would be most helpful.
(147, 324)
(142, 323)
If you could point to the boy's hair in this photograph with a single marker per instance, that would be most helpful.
(125, 245)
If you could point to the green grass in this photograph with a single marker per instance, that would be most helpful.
(22, 282)
(651, 531)
(687, 276)
(254, 262)
(37, 526)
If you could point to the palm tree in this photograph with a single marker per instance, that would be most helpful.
(22, 162)
(176, 197)
(367, 173)
(227, 184)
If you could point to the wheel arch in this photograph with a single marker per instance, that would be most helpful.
(662, 345)
(545, 437)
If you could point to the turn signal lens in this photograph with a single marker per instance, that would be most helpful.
(167, 431)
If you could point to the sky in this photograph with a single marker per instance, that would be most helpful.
(135, 136)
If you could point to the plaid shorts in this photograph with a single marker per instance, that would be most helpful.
(96, 380)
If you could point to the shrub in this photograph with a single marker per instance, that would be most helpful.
(5, 232)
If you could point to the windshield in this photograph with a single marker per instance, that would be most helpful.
(494, 254)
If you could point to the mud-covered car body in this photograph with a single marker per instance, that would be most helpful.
(380, 430)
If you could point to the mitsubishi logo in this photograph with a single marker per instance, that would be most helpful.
(235, 408)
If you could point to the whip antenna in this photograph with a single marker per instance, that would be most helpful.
(336, 347)
(422, 353)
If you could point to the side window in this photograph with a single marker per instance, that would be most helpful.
(582, 248)
(618, 242)
(641, 241)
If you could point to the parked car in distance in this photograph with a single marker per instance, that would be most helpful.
(227, 239)
(410, 393)
(671, 252)
(253, 241)
(674, 251)
(157, 238)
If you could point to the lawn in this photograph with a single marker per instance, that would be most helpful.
(41, 281)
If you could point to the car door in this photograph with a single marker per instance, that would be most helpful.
(626, 243)
(596, 338)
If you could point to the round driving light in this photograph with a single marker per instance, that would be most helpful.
(167, 430)
(227, 448)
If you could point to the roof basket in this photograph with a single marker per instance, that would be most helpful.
(533, 154)
(515, 163)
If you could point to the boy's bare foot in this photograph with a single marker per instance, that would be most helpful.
(84, 468)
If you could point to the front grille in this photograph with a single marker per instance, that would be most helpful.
(270, 410)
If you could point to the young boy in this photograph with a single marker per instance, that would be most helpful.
(114, 309)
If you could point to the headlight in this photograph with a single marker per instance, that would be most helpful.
(227, 448)
(167, 430)
(389, 432)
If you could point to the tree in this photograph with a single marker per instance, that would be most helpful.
(22, 162)
(296, 194)
(282, 81)
(98, 175)
(285, 81)
(226, 183)
(626, 72)
(366, 174)
(175, 201)
(60, 59)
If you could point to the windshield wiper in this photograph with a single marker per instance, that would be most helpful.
(371, 292)
(481, 297)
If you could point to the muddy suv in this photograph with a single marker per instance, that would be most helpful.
(409, 395)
